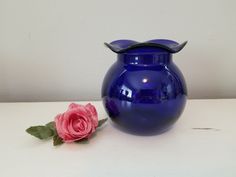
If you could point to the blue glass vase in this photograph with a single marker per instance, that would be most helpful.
(144, 92)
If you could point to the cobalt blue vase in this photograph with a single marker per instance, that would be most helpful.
(144, 92)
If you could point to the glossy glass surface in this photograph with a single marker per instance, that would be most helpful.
(144, 92)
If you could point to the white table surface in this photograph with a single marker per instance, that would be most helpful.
(181, 152)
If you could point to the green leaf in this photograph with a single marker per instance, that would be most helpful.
(83, 141)
(57, 140)
(41, 132)
(52, 126)
(101, 122)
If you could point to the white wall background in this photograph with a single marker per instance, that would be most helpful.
(53, 49)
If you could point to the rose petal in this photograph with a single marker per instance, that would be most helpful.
(93, 112)
(74, 105)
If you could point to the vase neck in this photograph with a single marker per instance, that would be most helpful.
(145, 58)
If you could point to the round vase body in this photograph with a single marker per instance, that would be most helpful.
(144, 92)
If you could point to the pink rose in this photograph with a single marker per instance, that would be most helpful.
(77, 123)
